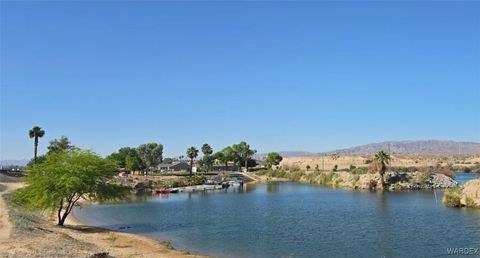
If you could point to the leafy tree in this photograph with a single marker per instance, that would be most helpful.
(308, 167)
(273, 158)
(59, 145)
(168, 160)
(222, 157)
(192, 153)
(207, 155)
(150, 154)
(335, 168)
(227, 154)
(121, 156)
(382, 159)
(40, 159)
(132, 163)
(35, 133)
(243, 152)
(58, 183)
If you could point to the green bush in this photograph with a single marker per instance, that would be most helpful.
(469, 202)
(452, 197)
(271, 173)
(359, 171)
(355, 179)
(326, 178)
(296, 175)
(422, 178)
(261, 172)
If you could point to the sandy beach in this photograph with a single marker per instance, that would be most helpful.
(24, 234)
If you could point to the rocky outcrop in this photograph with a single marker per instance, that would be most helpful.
(470, 195)
(394, 181)
(419, 181)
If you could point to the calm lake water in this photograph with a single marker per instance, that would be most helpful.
(296, 220)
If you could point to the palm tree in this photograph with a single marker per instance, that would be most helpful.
(192, 153)
(382, 159)
(207, 152)
(244, 151)
(36, 132)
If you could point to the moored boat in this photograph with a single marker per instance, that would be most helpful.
(162, 191)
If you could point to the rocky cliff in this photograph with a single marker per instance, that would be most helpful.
(394, 181)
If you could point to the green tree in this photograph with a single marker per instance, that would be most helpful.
(168, 160)
(224, 156)
(121, 156)
(273, 158)
(150, 154)
(382, 159)
(243, 153)
(132, 163)
(308, 167)
(35, 133)
(58, 183)
(59, 145)
(192, 153)
(207, 155)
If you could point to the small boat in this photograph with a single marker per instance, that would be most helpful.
(162, 191)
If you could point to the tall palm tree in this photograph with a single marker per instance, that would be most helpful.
(382, 159)
(207, 158)
(244, 151)
(192, 153)
(36, 132)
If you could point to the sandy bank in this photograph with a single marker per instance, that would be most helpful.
(25, 234)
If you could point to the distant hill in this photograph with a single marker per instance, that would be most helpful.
(413, 147)
(399, 147)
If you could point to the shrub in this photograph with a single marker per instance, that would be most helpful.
(335, 168)
(271, 173)
(197, 180)
(296, 175)
(355, 179)
(326, 178)
(404, 169)
(452, 197)
(469, 202)
(261, 172)
(175, 183)
(423, 177)
(360, 171)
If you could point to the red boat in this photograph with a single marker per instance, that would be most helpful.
(162, 191)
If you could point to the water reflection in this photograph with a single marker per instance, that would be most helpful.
(273, 187)
(250, 187)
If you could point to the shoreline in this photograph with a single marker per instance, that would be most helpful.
(36, 235)
(144, 241)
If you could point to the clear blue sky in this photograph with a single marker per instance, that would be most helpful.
(287, 75)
